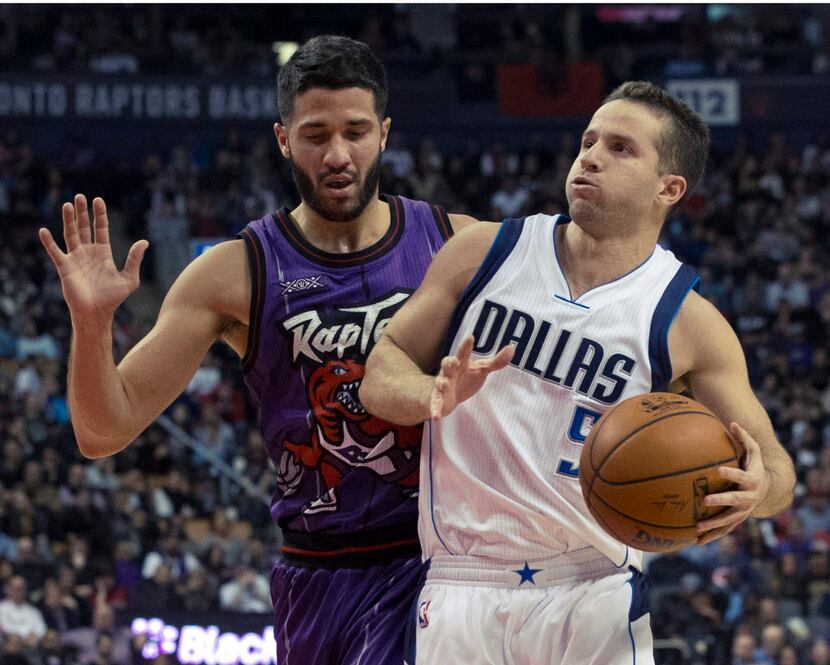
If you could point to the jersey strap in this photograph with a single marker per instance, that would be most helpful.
(256, 266)
(506, 239)
(667, 308)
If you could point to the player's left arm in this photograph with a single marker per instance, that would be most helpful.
(706, 353)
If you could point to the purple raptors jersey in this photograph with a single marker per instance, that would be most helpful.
(315, 316)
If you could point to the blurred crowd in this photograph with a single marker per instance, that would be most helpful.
(153, 528)
(157, 527)
(632, 42)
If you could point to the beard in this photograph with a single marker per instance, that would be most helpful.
(309, 192)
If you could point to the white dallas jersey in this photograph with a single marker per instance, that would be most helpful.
(500, 474)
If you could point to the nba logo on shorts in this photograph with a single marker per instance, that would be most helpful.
(423, 614)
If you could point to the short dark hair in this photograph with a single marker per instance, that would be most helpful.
(684, 145)
(334, 62)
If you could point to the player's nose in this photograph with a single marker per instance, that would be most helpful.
(589, 159)
(337, 156)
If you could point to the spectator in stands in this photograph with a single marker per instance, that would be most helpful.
(215, 434)
(171, 554)
(156, 594)
(168, 230)
(743, 650)
(247, 591)
(814, 513)
(13, 651)
(773, 639)
(510, 200)
(52, 651)
(820, 651)
(220, 535)
(103, 650)
(60, 612)
(198, 592)
(33, 342)
(18, 616)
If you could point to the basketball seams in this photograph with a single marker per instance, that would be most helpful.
(649, 424)
(652, 524)
(592, 435)
(680, 472)
(599, 518)
(628, 448)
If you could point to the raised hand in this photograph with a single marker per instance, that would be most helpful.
(460, 378)
(92, 286)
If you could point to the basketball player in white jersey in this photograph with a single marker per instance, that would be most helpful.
(578, 313)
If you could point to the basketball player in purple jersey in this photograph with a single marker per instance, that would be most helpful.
(302, 296)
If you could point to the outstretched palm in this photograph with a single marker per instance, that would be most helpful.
(92, 286)
(460, 378)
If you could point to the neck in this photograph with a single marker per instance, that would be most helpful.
(343, 237)
(589, 260)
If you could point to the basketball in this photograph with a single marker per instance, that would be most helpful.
(646, 466)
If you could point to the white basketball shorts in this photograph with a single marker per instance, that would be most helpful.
(586, 613)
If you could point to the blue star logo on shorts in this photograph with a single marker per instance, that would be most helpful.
(526, 574)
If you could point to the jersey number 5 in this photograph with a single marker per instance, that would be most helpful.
(581, 424)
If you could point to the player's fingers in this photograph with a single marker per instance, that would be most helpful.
(464, 350)
(449, 366)
(102, 227)
(735, 498)
(70, 227)
(738, 476)
(55, 253)
(714, 534)
(134, 258)
(496, 362)
(504, 356)
(728, 518)
(750, 447)
(82, 218)
(436, 403)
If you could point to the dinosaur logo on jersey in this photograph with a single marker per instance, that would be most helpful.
(345, 436)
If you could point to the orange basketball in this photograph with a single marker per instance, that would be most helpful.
(646, 466)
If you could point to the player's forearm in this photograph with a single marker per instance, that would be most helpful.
(98, 404)
(394, 387)
(780, 483)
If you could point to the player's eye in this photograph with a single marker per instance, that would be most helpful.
(338, 370)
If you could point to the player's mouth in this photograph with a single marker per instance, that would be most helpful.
(339, 185)
(582, 181)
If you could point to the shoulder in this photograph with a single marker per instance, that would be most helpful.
(460, 222)
(701, 337)
(696, 312)
(476, 238)
(462, 255)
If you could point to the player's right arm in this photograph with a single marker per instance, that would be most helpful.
(110, 405)
(399, 385)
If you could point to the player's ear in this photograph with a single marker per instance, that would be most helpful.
(281, 133)
(384, 132)
(672, 190)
